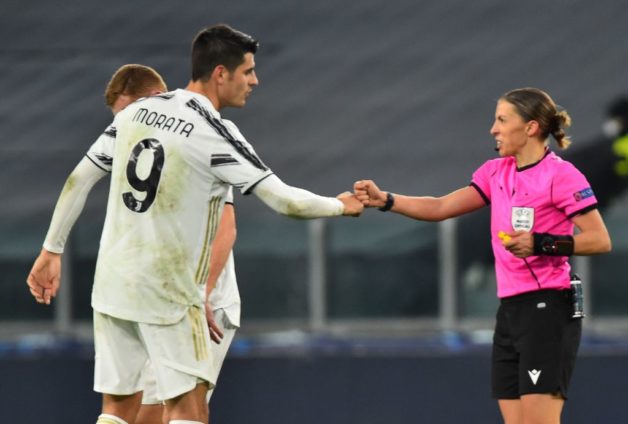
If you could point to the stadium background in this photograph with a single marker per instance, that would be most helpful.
(366, 320)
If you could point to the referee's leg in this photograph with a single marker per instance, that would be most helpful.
(532, 409)
(542, 408)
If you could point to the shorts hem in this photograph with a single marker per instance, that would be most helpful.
(101, 389)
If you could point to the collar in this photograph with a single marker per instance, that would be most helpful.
(523, 168)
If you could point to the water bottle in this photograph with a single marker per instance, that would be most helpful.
(578, 298)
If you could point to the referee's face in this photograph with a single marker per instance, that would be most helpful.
(239, 84)
(508, 130)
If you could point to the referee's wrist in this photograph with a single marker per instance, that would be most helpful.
(390, 201)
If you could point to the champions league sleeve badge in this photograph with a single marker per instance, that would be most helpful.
(522, 218)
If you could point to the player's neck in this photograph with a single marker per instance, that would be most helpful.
(205, 89)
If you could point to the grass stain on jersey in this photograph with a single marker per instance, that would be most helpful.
(173, 183)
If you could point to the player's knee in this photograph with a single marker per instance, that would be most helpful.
(184, 422)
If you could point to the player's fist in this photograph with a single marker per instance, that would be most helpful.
(353, 207)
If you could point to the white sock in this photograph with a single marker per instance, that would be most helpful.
(110, 419)
(184, 422)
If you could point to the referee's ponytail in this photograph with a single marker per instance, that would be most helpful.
(562, 120)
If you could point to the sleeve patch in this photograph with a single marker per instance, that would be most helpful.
(583, 194)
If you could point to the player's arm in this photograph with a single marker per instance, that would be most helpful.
(300, 203)
(221, 249)
(43, 279)
(426, 208)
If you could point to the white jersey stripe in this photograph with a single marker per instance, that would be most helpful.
(198, 336)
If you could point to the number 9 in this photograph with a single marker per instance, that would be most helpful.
(150, 184)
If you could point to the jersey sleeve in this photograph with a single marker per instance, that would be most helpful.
(229, 196)
(296, 202)
(70, 204)
(101, 152)
(236, 162)
(481, 180)
(571, 192)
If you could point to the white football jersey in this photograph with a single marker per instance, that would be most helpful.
(172, 160)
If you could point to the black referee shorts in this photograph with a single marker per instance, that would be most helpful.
(535, 344)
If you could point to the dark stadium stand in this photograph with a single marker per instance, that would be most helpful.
(400, 91)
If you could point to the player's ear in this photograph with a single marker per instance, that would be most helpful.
(219, 73)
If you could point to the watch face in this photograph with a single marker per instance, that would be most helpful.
(547, 245)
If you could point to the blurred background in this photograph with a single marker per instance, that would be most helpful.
(373, 320)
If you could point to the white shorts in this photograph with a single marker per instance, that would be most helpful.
(218, 354)
(180, 355)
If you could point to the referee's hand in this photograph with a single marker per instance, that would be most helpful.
(369, 194)
(519, 243)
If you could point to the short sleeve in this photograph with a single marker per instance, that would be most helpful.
(236, 162)
(481, 180)
(229, 196)
(101, 152)
(571, 192)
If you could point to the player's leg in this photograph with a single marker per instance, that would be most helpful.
(124, 407)
(202, 400)
(119, 360)
(187, 405)
(150, 414)
(152, 410)
(180, 356)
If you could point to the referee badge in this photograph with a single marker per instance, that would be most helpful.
(522, 218)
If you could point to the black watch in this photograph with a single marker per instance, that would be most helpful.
(390, 201)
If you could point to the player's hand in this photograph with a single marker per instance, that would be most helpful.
(214, 331)
(519, 243)
(353, 207)
(44, 277)
(367, 192)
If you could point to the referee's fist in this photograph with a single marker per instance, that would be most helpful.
(369, 194)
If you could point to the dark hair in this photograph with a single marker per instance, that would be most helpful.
(133, 80)
(533, 104)
(219, 45)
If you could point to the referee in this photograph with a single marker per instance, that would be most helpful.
(536, 200)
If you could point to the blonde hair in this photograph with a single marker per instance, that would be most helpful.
(533, 104)
(133, 80)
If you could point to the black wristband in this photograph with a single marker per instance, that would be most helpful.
(552, 245)
(390, 201)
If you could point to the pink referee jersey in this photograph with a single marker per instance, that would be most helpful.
(540, 198)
